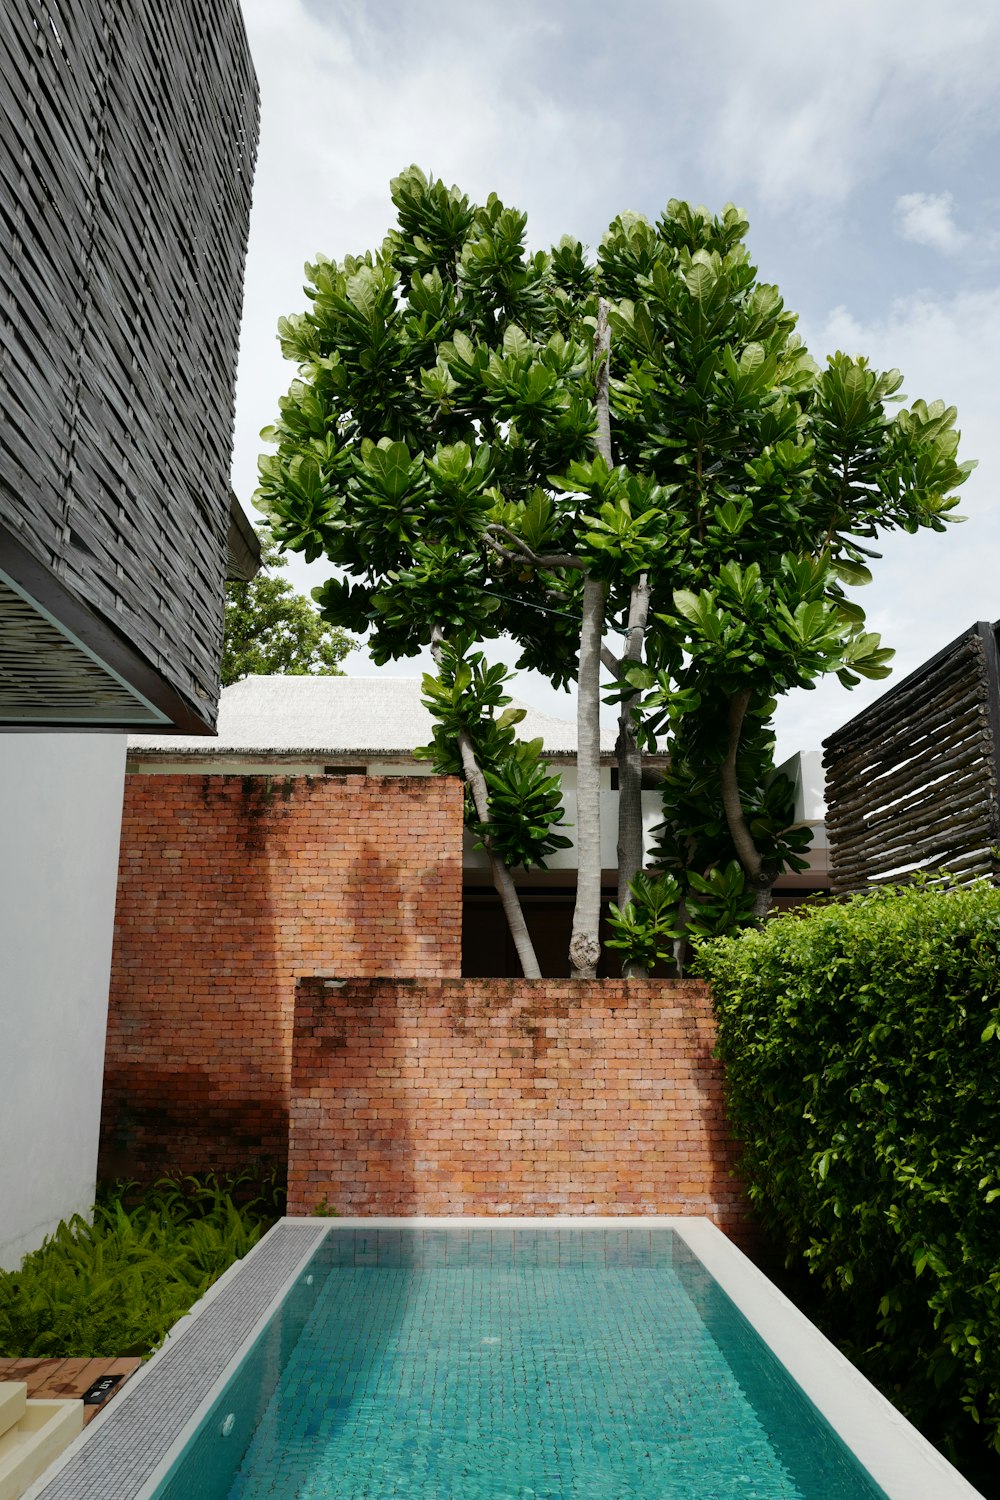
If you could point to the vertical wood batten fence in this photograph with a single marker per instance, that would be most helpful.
(913, 782)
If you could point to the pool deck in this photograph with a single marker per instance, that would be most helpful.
(64, 1379)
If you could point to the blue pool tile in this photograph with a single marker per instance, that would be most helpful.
(536, 1365)
(501, 1247)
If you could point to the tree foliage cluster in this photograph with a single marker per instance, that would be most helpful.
(270, 629)
(448, 447)
(860, 1046)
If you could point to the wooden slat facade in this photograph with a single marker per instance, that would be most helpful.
(913, 783)
(128, 133)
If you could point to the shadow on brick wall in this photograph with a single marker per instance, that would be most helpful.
(230, 890)
(196, 1072)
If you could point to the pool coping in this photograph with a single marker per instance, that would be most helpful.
(894, 1453)
(164, 1399)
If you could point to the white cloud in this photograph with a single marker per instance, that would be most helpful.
(930, 587)
(927, 219)
(810, 101)
(573, 116)
(346, 104)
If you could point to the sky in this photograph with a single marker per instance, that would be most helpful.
(860, 139)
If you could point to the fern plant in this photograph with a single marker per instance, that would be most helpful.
(117, 1285)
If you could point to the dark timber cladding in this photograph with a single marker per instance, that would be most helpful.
(912, 783)
(128, 132)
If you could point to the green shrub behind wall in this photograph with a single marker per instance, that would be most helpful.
(862, 1051)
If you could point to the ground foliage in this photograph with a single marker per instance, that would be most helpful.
(117, 1286)
(861, 1043)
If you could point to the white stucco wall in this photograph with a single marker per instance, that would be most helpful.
(60, 826)
(565, 859)
(805, 770)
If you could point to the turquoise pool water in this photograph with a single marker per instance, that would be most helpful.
(512, 1365)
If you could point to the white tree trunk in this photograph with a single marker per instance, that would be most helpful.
(502, 878)
(631, 850)
(503, 881)
(585, 943)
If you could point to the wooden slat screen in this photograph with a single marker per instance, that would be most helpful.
(912, 782)
(128, 133)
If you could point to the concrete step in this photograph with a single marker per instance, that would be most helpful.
(34, 1439)
(13, 1397)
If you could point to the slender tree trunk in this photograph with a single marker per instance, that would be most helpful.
(585, 942)
(502, 878)
(760, 877)
(631, 851)
(503, 881)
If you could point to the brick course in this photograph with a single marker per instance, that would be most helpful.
(230, 889)
(509, 1096)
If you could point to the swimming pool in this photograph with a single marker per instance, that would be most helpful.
(529, 1360)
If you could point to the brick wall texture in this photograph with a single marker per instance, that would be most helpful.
(232, 888)
(495, 1096)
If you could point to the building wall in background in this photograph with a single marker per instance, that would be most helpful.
(232, 888)
(509, 1097)
(60, 813)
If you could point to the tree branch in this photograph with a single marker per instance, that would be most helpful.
(731, 800)
(631, 844)
(602, 383)
(585, 943)
(610, 660)
(502, 878)
(537, 559)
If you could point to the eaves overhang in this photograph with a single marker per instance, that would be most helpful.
(242, 546)
(63, 666)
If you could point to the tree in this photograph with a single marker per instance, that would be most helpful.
(473, 449)
(269, 628)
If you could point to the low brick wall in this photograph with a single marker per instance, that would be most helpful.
(509, 1096)
(230, 889)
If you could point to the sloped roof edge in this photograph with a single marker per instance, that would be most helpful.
(336, 716)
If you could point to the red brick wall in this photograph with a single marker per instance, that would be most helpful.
(231, 888)
(490, 1096)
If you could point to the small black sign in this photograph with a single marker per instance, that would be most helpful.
(101, 1389)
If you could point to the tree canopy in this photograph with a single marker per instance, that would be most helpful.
(269, 628)
(449, 446)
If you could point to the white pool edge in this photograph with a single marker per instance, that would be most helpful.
(185, 1434)
(895, 1454)
(900, 1460)
(199, 1309)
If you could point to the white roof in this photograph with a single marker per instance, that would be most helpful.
(319, 716)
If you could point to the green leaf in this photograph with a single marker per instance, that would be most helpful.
(700, 281)
(516, 344)
(389, 466)
(362, 291)
(687, 604)
(851, 572)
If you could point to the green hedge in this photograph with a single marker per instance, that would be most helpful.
(118, 1285)
(861, 1045)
